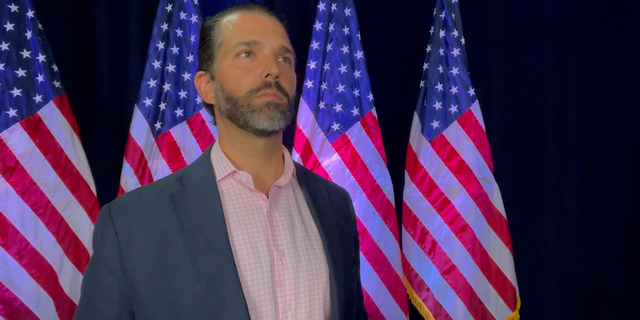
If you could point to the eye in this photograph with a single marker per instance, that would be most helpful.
(245, 54)
(286, 60)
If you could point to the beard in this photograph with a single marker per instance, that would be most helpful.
(261, 119)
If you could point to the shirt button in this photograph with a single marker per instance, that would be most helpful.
(287, 306)
(281, 253)
(244, 178)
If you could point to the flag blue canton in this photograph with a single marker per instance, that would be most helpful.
(446, 91)
(167, 94)
(29, 78)
(337, 84)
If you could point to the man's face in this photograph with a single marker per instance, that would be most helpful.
(254, 74)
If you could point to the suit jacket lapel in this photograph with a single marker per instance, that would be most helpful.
(320, 207)
(198, 209)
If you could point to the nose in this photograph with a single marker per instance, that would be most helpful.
(271, 69)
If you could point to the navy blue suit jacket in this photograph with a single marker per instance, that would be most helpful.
(162, 251)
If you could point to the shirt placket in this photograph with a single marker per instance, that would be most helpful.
(281, 267)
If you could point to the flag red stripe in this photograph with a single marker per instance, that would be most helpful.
(62, 103)
(447, 269)
(19, 248)
(424, 292)
(370, 125)
(61, 164)
(171, 151)
(469, 123)
(201, 131)
(137, 161)
(12, 308)
(367, 182)
(302, 146)
(27, 189)
(460, 228)
(372, 309)
(383, 268)
(120, 190)
(463, 173)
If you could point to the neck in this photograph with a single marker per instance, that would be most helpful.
(261, 157)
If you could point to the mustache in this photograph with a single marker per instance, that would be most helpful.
(269, 85)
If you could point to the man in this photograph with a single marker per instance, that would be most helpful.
(243, 232)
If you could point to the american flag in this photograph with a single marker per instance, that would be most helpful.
(169, 128)
(48, 202)
(456, 242)
(338, 137)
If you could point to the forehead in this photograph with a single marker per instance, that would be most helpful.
(247, 26)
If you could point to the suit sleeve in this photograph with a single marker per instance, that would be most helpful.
(103, 292)
(358, 299)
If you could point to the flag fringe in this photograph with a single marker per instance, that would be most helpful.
(516, 314)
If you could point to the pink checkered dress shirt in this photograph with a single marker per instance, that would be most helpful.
(276, 245)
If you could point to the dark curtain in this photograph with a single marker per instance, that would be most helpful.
(557, 82)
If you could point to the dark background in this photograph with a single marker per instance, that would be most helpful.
(558, 83)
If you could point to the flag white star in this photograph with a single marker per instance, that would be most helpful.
(324, 85)
(16, 92)
(355, 111)
(454, 90)
(421, 83)
(183, 15)
(472, 92)
(439, 86)
(40, 78)
(326, 66)
(13, 7)
(2, 66)
(345, 30)
(431, 31)
(158, 125)
(357, 74)
(169, 7)
(41, 57)
(12, 112)
(356, 92)
(455, 52)
(428, 48)
(167, 87)
(435, 123)
(444, 14)
(171, 67)
(198, 100)
(163, 105)
(453, 109)
(334, 7)
(179, 32)
(160, 45)
(186, 76)
(322, 105)
(454, 71)
(342, 68)
(344, 49)
(164, 27)
(54, 67)
(321, 6)
(329, 47)
(318, 25)
(28, 34)
(338, 107)
(335, 126)
(359, 35)
(21, 73)
(183, 94)
(440, 68)
(156, 64)
(152, 83)
(190, 57)
(462, 40)
(194, 18)
(56, 84)
(441, 33)
(315, 45)
(332, 26)
(438, 105)
(193, 38)
(175, 49)
(37, 98)
(359, 54)
(30, 13)
(370, 96)
(9, 26)
(25, 54)
(441, 51)
(425, 66)
(340, 87)
(347, 12)
(312, 64)
(147, 101)
(179, 112)
(309, 83)
(455, 33)
(4, 46)
(453, 15)
(454, 1)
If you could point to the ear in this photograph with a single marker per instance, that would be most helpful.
(204, 85)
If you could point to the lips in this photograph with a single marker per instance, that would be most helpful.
(270, 93)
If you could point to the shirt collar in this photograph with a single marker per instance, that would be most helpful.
(223, 167)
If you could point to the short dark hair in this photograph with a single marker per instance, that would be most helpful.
(210, 38)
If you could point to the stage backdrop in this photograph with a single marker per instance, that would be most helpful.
(558, 83)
